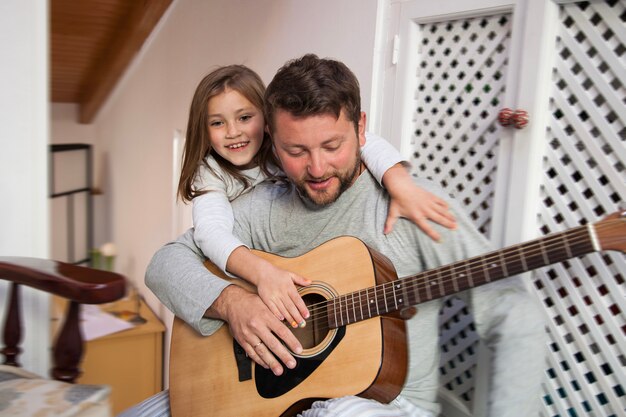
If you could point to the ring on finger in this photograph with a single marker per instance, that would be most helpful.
(257, 345)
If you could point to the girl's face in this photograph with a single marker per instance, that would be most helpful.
(235, 128)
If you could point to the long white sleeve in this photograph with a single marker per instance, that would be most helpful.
(379, 155)
(213, 227)
(212, 213)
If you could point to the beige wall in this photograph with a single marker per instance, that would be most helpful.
(65, 129)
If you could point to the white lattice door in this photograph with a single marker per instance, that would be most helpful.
(454, 66)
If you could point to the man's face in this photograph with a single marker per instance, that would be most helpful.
(319, 154)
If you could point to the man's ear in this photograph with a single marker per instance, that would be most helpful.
(361, 126)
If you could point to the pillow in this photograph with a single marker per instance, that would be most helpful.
(25, 394)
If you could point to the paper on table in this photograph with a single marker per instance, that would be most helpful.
(96, 323)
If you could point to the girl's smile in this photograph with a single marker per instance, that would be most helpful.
(238, 145)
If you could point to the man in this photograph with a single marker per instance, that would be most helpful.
(313, 114)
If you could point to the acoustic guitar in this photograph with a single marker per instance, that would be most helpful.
(355, 341)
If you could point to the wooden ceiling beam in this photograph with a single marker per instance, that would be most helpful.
(110, 65)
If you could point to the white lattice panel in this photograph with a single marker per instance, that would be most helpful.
(459, 342)
(460, 78)
(460, 89)
(584, 179)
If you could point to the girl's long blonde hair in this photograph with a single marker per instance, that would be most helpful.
(198, 146)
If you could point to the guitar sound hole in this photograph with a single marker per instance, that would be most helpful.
(316, 330)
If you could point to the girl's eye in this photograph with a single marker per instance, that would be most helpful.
(215, 123)
(246, 117)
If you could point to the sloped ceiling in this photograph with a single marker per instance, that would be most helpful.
(91, 43)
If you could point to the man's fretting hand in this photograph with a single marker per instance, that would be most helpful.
(256, 328)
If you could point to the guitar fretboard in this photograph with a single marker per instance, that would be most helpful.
(459, 276)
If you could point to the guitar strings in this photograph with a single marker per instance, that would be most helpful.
(348, 306)
(475, 265)
(469, 264)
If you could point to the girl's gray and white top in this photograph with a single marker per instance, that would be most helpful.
(275, 219)
(212, 212)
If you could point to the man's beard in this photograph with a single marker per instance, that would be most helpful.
(326, 197)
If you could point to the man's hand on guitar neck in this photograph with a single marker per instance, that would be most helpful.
(256, 329)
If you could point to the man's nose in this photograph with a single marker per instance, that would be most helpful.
(317, 165)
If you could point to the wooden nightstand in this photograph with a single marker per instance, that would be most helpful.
(130, 361)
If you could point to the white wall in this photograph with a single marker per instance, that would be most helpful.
(23, 157)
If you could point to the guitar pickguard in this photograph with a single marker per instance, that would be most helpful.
(269, 385)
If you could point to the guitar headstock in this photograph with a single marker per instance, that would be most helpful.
(611, 232)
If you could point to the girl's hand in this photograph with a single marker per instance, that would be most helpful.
(275, 286)
(414, 203)
(419, 205)
(277, 289)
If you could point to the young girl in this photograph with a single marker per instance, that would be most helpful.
(227, 152)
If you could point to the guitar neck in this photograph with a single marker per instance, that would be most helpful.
(460, 276)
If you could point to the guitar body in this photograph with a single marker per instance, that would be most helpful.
(367, 358)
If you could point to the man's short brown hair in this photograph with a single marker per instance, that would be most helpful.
(310, 86)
